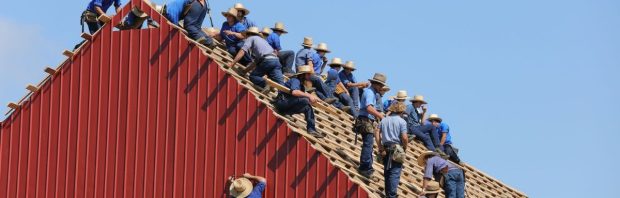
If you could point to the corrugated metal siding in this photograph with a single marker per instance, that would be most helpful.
(142, 113)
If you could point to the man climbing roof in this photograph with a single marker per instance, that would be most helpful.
(267, 62)
(287, 57)
(192, 13)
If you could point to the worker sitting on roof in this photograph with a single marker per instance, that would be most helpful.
(392, 142)
(287, 57)
(297, 100)
(135, 19)
(354, 87)
(264, 56)
(95, 9)
(192, 13)
(437, 167)
(422, 131)
(445, 140)
(366, 122)
(336, 87)
(401, 96)
(242, 14)
(243, 187)
(432, 190)
(232, 33)
(305, 57)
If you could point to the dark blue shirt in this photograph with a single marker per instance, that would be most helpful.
(292, 84)
(274, 40)
(303, 56)
(230, 39)
(332, 79)
(413, 117)
(248, 23)
(174, 10)
(257, 191)
(346, 78)
(103, 4)
(192, 22)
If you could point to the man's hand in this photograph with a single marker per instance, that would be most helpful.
(228, 32)
(424, 108)
(382, 151)
(313, 99)
(231, 64)
(324, 59)
(247, 175)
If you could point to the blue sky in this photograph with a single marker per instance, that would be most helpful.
(529, 88)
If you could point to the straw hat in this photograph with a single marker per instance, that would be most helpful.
(379, 78)
(322, 47)
(432, 187)
(304, 69)
(386, 88)
(138, 12)
(158, 8)
(336, 62)
(422, 159)
(307, 42)
(211, 31)
(266, 31)
(231, 11)
(279, 27)
(253, 30)
(418, 98)
(240, 7)
(401, 95)
(349, 65)
(434, 117)
(397, 107)
(241, 187)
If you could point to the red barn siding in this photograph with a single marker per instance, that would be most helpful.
(143, 113)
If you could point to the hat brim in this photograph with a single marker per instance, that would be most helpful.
(376, 81)
(422, 101)
(438, 119)
(245, 10)
(336, 64)
(248, 188)
(405, 98)
(432, 191)
(351, 68)
(306, 45)
(139, 13)
(422, 159)
(280, 30)
(322, 50)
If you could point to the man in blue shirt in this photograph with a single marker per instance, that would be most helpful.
(243, 187)
(193, 13)
(307, 56)
(264, 57)
(298, 101)
(354, 87)
(392, 137)
(436, 167)
(425, 132)
(366, 122)
(337, 88)
(287, 57)
(95, 9)
(232, 34)
(242, 14)
(445, 140)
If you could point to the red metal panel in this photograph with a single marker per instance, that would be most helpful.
(143, 113)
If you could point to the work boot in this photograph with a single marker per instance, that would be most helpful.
(330, 100)
(315, 133)
(346, 109)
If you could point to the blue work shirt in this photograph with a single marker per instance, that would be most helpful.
(274, 40)
(292, 84)
(257, 46)
(174, 10)
(302, 56)
(444, 128)
(346, 78)
(257, 191)
(248, 23)
(434, 165)
(369, 98)
(392, 127)
(103, 4)
(230, 39)
(317, 63)
(387, 103)
(192, 21)
(332, 79)
(413, 117)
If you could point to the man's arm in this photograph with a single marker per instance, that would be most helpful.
(404, 139)
(257, 178)
(99, 10)
(371, 109)
(443, 138)
(298, 93)
(238, 57)
(378, 141)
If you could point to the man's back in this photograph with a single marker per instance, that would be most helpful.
(391, 129)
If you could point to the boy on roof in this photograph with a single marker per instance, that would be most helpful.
(287, 57)
(366, 122)
(392, 142)
(354, 87)
(94, 10)
(297, 100)
(336, 87)
(437, 167)
(242, 14)
(266, 60)
(445, 140)
(304, 57)
(192, 13)
(243, 187)
(422, 131)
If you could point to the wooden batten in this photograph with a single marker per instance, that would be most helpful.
(68, 53)
(104, 18)
(13, 105)
(32, 88)
(86, 36)
(50, 71)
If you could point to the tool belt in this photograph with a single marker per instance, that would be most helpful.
(365, 125)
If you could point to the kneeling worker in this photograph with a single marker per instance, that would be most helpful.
(435, 166)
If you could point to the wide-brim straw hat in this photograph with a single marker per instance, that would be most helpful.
(422, 158)
(279, 27)
(158, 8)
(139, 13)
(241, 187)
(336, 62)
(211, 31)
(418, 98)
(266, 31)
(349, 65)
(304, 69)
(252, 30)
(379, 78)
(401, 95)
(232, 12)
(307, 42)
(322, 47)
(397, 107)
(240, 7)
(434, 117)
(386, 88)
(432, 188)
